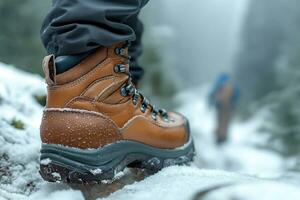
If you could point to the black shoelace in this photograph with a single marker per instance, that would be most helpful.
(129, 89)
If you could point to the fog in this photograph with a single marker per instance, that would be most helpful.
(206, 35)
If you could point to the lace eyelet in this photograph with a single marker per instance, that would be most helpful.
(120, 68)
(123, 92)
(134, 101)
(154, 116)
(120, 51)
(130, 89)
(116, 68)
(166, 119)
(143, 108)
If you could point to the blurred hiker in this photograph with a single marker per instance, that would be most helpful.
(96, 122)
(223, 97)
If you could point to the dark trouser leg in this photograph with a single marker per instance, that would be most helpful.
(135, 49)
(224, 113)
(77, 26)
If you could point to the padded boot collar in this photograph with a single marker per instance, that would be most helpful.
(49, 70)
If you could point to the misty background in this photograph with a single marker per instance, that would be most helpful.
(188, 43)
(204, 35)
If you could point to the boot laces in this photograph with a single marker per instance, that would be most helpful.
(129, 89)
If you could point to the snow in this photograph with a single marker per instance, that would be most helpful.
(177, 183)
(57, 192)
(236, 170)
(96, 171)
(258, 191)
(19, 148)
(45, 161)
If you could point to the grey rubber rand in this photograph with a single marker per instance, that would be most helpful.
(108, 156)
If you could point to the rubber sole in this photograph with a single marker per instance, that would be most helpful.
(94, 166)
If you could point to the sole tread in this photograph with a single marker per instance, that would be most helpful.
(55, 172)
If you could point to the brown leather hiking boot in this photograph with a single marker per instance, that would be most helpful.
(96, 123)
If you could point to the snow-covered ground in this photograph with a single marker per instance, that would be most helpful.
(237, 170)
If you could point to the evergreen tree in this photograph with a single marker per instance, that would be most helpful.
(285, 118)
(263, 37)
(284, 123)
